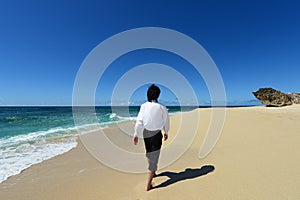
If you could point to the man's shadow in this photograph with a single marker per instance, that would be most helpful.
(186, 174)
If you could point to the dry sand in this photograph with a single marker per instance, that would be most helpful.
(256, 157)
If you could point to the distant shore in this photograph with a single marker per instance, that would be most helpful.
(256, 157)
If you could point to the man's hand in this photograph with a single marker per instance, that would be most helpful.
(165, 137)
(135, 140)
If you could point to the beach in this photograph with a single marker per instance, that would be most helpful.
(257, 156)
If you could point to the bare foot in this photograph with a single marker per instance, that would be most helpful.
(149, 187)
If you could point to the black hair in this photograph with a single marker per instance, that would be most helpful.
(153, 93)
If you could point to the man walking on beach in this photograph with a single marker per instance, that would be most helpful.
(154, 118)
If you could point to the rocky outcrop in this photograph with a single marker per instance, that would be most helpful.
(272, 97)
(295, 97)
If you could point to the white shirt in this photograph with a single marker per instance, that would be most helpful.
(152, 116)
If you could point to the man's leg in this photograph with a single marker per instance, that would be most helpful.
(153, 145)
(150, 178)
(154, 171)
(153, 160)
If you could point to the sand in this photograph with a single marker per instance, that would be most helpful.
(256, 157)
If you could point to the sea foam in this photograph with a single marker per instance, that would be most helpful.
(20, 152)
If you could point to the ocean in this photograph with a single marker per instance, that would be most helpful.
(30, 135)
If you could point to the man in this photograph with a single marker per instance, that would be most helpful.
(154, 118)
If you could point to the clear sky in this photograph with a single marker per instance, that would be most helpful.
(43, 43)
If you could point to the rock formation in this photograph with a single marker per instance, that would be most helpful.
(295, 97)
(272, 97)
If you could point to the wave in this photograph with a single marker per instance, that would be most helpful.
(13, 160)
(113, 118)
(34, 136)
(24, 140)
(22, 151)
(15, 119)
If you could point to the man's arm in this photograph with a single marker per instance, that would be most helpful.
(166, 123)
(138, 126)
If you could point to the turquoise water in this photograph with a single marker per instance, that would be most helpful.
(29, 135)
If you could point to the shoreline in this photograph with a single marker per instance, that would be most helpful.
(255, 157)
(71, 132)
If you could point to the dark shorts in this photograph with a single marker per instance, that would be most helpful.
(153, 142)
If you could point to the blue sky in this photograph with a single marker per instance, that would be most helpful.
(43, 43)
